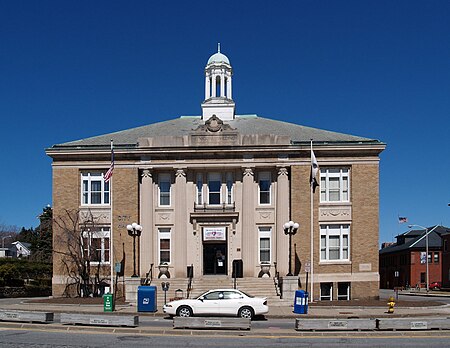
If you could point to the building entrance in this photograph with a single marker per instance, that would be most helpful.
(215, 258)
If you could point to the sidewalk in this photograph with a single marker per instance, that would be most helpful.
(275, 311)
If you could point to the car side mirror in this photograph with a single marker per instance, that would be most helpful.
(201, 299)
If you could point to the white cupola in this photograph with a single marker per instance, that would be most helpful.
(218, 100)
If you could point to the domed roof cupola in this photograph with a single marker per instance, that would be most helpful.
(218, 100)
(218, 57)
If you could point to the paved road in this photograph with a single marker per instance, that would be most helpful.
(19, 338)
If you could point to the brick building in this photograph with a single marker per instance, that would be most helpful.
(403, 263)
(225, 184)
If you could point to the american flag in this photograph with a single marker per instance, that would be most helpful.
(109, 173)
(402, 219)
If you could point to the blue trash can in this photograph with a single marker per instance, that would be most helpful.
(301, 302)
(147, 299)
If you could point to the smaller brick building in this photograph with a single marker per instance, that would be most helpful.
(446, 259)
(403, 264)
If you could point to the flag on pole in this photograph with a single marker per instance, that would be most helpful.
(402, 219)
(109, 173)
(314, 170)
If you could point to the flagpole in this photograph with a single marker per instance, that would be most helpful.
(312, 233)
(111, 239)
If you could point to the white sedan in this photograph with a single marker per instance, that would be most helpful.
(223, 302)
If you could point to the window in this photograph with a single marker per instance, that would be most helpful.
(326, 291)
(199, 188)
(165, 182)
(164, 245)
(265, 244)
(334, 242)
(343, 291)
(214, 186)
(334, 185)
(422, 277)
(436, 257)
(430, 254)
(229, 188)
(94, 190)
(264, 181)
(96, 245)
(215, 295)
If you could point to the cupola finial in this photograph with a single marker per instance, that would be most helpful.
(218, 47)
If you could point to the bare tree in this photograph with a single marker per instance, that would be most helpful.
(80, 257)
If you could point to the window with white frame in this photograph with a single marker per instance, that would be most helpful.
(265, 243)
(343, 291)
(96, 245)
(334, 242)
(334, 185)
(214, 188)
(264, 185)
(94, 189)
(326, 291)
(164, 238)
(164, 187)
(199, 188)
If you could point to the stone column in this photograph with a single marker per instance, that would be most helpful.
(179, 236)
(222, 84)
(146, 221)
(229, 88)
(249, 242)
(214, 76)
(282, 216)
(207, 86)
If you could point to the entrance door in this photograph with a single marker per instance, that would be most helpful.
(214, 258)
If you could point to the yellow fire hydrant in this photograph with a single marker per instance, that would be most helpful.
(391, 305)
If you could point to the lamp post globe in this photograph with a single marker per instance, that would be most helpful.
(134, 230)
(290, 228)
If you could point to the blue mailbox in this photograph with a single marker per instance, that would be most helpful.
(301, 302)
(147, 299)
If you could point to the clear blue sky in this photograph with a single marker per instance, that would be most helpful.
(378, 69)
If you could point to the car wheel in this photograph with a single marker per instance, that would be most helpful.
(246, 312)
(184, 311)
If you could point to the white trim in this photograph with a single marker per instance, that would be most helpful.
(214, 177)
(164, 177)
(164, 233)
(264, 232)
(327, 173)
(105, 232)
(334, 230)
(264, 176)
(93, 176)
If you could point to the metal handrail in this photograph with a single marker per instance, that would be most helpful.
(148, 276)
(277, 281)
(190, 276)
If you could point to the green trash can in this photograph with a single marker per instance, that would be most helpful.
(108, 303)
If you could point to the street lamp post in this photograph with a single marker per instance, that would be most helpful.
(290, 228)
(426, 258)
(134, 230)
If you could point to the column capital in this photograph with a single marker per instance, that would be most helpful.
(180, 173)
(248, 172)
(283, 171)
(146, 173)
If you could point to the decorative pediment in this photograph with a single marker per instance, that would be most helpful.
(214, 125)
